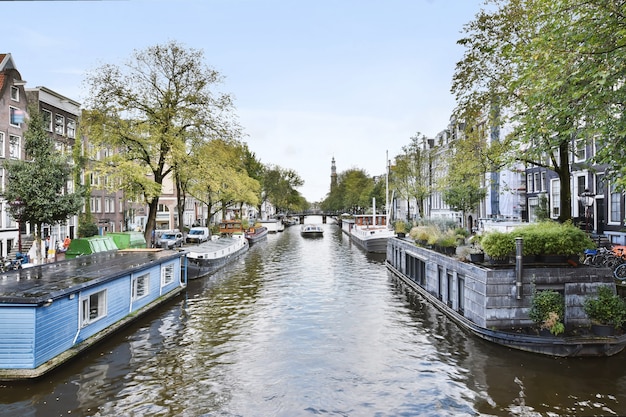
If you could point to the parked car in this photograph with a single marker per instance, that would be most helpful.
(171, 240)
(197, 235)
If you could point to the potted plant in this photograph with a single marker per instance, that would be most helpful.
(607, 311)
(400, 228)
(499, 246)
(446, 243)
(547, 311)
(475, 251)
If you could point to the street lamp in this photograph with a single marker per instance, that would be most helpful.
(586, 199)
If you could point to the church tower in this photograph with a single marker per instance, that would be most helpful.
(333, 175)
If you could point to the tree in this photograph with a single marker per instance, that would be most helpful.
(513, 73)
(279, 186)
(154, 112)
(36, 187)
(410, 175)
(224, 180)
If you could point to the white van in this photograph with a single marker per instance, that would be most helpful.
(197, 235)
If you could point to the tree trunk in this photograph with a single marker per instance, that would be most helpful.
(151, 222)
(565, 212)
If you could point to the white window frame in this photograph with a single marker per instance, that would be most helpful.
(71, 128)
(167, 274)
(47, 117)
(580, 150)
(15, 147)
(615, 199)
(2, 145)
(15, 93)
(555, 198)
(59, 124)
(140, 286)
(90, 313)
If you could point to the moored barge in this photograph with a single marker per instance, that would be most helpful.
(493, 303)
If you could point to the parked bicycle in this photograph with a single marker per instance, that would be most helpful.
(10, 264)
(614, 258)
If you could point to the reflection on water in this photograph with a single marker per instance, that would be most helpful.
(302, 327)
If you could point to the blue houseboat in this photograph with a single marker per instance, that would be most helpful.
(50, 313)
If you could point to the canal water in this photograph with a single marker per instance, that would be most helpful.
(307, 327)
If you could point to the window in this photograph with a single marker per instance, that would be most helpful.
(530, 187)
(2, 144)
(555, 198)
(96, 204)
(59, 124)
(616, 197)
(580, 150)
(109, 205)
(71, 128)
(14, 147)
(17, 116)
(167, 274)
(543, 181)
(47, 119)
(1, 179)
(15, 93)
(536, 185)
(93, 307)
(140, 286)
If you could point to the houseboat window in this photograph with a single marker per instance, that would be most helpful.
(167, 274)
(440, 278)
(93, 307)
(449, 289)
(460, 293)
(141, 286)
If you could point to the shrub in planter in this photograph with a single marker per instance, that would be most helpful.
(400, 227)
(607, 308)
(498, 245)
(533, 239)
(547, 311)
(447, 242)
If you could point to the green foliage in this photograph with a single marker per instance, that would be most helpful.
(462, 196)
(447, 240)
(354, 192)
(498, 245)
(606, 308)
(156, 110)
(400, 226)
(87, 229)
(547, 310)
(39, 182)
(409, 175)
(543, 238)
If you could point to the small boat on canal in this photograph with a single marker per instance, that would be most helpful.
(273, 225)
(493, 303)
(50, 313)
(371, 231)
(311, 230)
(256, 234)
(207, 257)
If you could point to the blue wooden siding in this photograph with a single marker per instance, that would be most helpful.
(17, 327)
(32, 335)
(56, 328)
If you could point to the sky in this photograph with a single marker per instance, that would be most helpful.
(352, 80)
